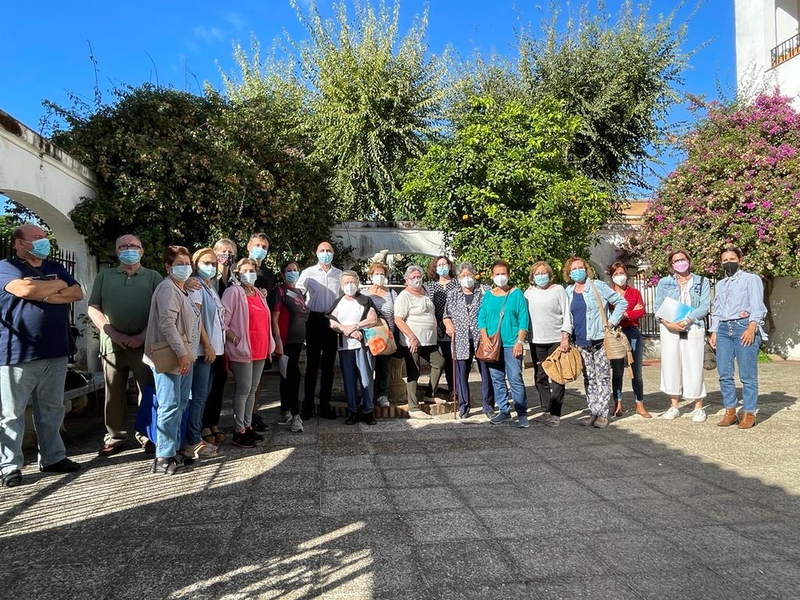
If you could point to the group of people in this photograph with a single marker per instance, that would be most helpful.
(181, 335)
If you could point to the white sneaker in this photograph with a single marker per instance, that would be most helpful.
(297, 424)
(285, 418)
(383, 402)
(672, 413)
(699, 415)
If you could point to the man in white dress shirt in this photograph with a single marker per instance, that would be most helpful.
(321, 285)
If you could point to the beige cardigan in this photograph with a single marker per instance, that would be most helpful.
(171, 316)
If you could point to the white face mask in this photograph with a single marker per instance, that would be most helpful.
(620, 280)
(467, 282)
(350, 289)
(500, 280)
(248, 278)
(379, 279)
(415, 283)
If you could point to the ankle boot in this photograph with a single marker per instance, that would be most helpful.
(747, 421)
(617, 409)
(642, 412)
(729, 419)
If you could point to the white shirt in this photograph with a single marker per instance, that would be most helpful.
(349, 312)
(321, 287)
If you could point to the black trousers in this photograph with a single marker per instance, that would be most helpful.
(213, 406)
(290, 385)
(551, 394)
(321, 346)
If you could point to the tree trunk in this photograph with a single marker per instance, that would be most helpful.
(769, 283)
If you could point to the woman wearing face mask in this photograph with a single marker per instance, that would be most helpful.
(225, 251)
(249, 340)
(415, 317)
(173, 317)
(461, 323)
(290, 313)
(630, 327)
(588, 333)
(212, 348)
(350, 315)
(551, 324)
(442, 280)
(736, 334)
(383, 298)
(682, 343)
(513, 326)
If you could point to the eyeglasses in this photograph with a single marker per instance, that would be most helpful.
(129, 247)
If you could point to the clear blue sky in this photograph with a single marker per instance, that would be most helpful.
(176, 42)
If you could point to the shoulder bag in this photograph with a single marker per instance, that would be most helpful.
(563, 367)
(615, 342)
(164, 357)
(489, 350)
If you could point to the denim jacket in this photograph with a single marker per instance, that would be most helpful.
(699, 294)
(594, 321)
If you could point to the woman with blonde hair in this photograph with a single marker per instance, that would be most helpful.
(589, 300)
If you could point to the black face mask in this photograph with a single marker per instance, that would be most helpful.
(730, 268)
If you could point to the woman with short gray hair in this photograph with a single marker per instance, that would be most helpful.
(415, 318)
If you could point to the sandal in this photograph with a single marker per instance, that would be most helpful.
(208, 438)
(219, 437)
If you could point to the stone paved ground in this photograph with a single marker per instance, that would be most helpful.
(444, 509)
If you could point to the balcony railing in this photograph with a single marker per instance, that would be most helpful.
(785, 50)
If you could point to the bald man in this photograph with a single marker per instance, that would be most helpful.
(35, 294)
(320, 284)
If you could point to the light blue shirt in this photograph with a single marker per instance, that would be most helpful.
(739, 297)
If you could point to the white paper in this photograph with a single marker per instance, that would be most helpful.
(283, 363)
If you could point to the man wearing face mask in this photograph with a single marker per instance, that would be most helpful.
(257, 249)
(118, 306)
(321, 286)
(34, 349)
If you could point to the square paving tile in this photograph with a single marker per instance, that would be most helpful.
(424, 499)
(445, 525)
(341, 502)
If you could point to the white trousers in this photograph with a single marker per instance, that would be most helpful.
(682, 363)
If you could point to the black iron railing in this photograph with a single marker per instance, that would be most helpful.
(785, 50)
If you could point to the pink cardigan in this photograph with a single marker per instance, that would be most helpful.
(237, 319)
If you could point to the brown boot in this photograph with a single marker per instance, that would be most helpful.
(729, 419)
(617, 409)
(642, 412)
(601, 422)
(588, 422)
(747, 421)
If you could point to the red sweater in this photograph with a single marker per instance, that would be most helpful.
(635, 307)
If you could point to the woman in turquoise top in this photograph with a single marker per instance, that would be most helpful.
(513, 330)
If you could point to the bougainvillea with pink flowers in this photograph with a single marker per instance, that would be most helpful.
(739, 185)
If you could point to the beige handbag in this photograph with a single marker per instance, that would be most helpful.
(563, 367)
(615, 342)
(164, 357)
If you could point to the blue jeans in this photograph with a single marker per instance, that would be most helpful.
(172, 396)
(729, 347)
(463, 368)
(509, 367)
(357, 367)
(41, 381)
(202, 378)
(634, 335)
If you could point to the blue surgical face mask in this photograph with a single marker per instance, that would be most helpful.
(541, 280)
(443, 271)
(207, 271)
(291, 276)
(129, 257)
(181, 272)
(41, 248)
(258, 254)
(578, 275)
(325, 257)
(248, 278)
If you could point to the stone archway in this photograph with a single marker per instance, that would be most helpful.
(50, 183)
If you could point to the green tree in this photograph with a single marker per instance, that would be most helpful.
(177, 168)
(739, 185)
(375, 101)
(620, 75)
(504, 188)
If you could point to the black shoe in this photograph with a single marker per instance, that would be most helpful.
(242, 439)
(369, 419)
(256, 437)
(65, 465)
(327, 413)
(149, 447)
(13, 479)
(352, 419)
(258, 424)
(168, 466)
(306, 416)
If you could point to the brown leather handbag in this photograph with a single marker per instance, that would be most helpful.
(489, 351)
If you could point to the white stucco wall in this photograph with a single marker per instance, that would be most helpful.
(785, 304)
